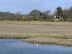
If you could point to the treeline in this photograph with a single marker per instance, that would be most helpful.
(9, 16)
(63, 15)
(36, 15)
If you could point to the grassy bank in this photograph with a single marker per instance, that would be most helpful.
(51, 39)
(58, 39)
(28, 36)
(15, 36)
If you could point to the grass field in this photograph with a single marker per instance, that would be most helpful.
(39, 32)
(35, 27)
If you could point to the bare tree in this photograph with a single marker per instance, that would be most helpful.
(47, 12)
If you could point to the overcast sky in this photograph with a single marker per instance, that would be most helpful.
(25, 6)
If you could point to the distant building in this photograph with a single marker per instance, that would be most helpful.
(27, 17)
(55, 18)
(24, 17)
(60, 19)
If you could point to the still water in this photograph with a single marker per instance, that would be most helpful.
(12, 46)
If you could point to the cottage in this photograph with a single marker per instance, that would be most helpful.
(27, 17)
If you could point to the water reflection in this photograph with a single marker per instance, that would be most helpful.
(18, 47)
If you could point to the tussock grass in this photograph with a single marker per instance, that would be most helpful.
(24, 36)
(14, 36)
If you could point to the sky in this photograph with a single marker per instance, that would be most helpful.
(26, 6)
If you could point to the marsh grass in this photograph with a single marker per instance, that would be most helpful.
(24, 36)
(63, 39)
(34, 22)
(51, 39)
(37, 31)
(14, 36)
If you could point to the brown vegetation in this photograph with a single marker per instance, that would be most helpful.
(48, 40)
(35, 27)
(39, 32)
